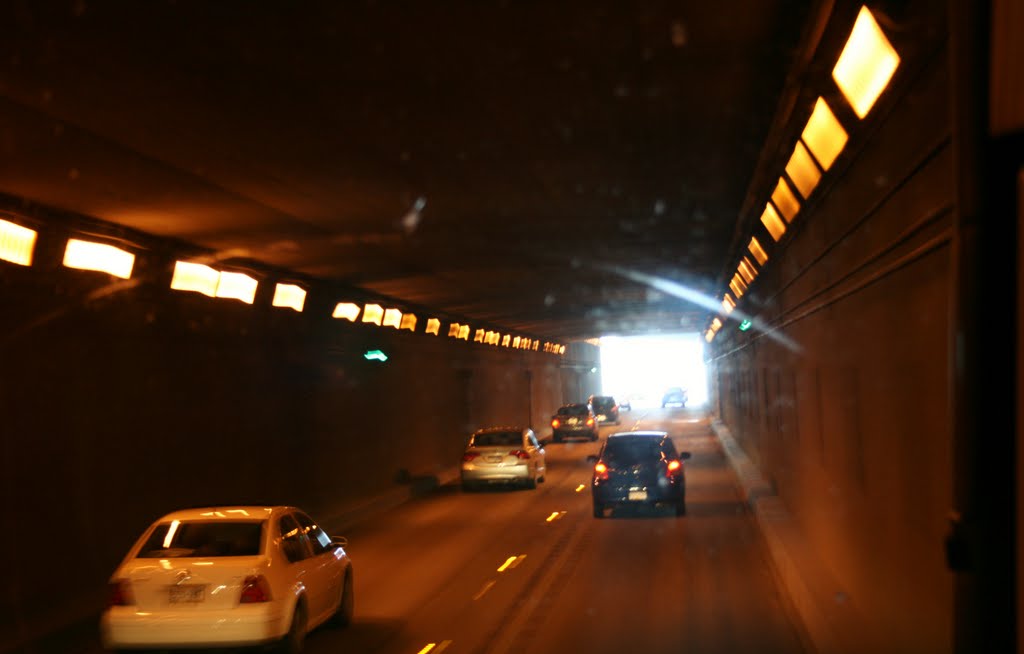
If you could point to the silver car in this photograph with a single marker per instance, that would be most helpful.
(503, 455)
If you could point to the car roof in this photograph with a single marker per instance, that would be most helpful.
(227, 513)
(623, 435)
(603, 397)
(574, 405)
(489, 430)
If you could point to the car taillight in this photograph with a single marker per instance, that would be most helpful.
(601, 471)
(590, 422)
(255, 589)
(469, 456)
(519, 454)
(120, 593)
(555, 423)
(674, 465)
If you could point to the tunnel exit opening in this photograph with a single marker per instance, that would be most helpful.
(641, 368)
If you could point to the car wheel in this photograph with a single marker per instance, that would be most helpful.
(346, 607)
(598, 510)
(468, 487)
(295, 638)
(530, 483)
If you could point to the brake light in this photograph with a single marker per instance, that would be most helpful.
(674, 465)
(120, 593)
(255, 590)
(469, 456)
(590, 422)
(519, 454)
(601, 470)
(556, 423)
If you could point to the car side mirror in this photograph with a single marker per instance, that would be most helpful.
(339, 541)
(593, 458)
(685, 455)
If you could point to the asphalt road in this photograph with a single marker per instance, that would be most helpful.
(433, 572)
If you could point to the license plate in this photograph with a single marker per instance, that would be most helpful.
(573, 421)
(188, 594)
(637, 495)
(494, 459)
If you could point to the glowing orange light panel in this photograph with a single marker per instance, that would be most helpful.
(86, 255)
(866, 64)
(17, 243)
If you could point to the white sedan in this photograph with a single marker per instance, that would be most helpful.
(228, 576)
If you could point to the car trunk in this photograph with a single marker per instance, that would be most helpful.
(189, 583)
(497, 456)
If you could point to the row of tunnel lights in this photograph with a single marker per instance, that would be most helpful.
(862, 72)
(17, 245)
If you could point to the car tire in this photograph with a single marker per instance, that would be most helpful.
(346, 607)
(293, 641)
(468, 487)
(530, 483)
(598, 510)
(681, 507)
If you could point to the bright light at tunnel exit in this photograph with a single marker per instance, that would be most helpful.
(642, 368)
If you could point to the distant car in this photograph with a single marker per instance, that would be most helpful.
(228, 576)
(574, 421)
(640, 468)
(605, 409)
(503, 455)
(674, 396)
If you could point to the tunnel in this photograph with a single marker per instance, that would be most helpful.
(271, 254)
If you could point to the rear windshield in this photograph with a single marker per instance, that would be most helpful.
(625, 453)
(498, 438)
(574, 410)
(603, 402)
(203, 538)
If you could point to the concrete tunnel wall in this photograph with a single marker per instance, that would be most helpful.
(119, 409)
(851, 424)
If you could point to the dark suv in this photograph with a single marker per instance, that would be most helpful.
(605, 408)
(639, 467)
(574, 420)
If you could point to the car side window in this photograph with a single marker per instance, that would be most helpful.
(318, 538)
(294, 543)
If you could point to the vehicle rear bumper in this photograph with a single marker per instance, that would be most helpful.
(574, 433)
(126, 626)
(496, 474)
(652, 494)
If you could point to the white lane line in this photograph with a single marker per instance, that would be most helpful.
(519, 559)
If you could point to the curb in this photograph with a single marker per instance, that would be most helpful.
(342, 517)
(803, 578)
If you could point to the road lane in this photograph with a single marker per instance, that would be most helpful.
(641, 579)
(427, 573)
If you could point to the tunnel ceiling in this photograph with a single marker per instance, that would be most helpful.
(498, 160)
